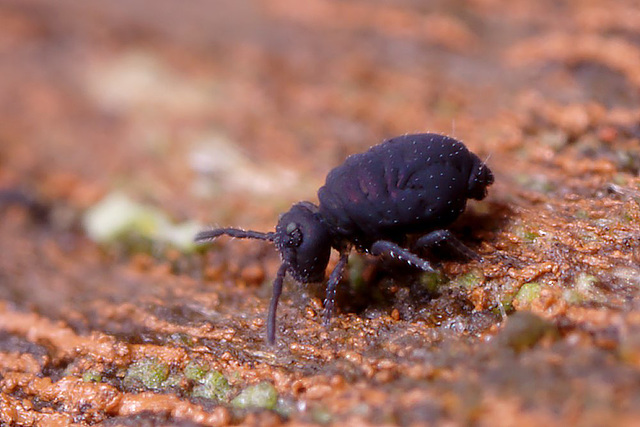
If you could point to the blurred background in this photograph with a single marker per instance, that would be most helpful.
(185, 102)
(154, 118)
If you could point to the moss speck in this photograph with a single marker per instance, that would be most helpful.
(524, 329)
(212, 386)
(195, 371)
(92, 376)
(528, 293)
(356, 270)
(263, 395)
(470, 280)
(148, 373)
(525, 233)
(433, 280)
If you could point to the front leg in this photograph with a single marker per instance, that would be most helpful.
(384, 247)
(273, 304)
(438, 237)
(332, 286)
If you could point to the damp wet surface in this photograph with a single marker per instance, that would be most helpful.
(228, 113)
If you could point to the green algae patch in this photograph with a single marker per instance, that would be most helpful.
(195, 371)
(147, 373)
(470, 280)
(527, 294)
(213, 385)
(356, 266)
(173, 380)
(431, 281)
(92, 376)
(525, 233)
(208, 384)
(504, 305)
(530, 236)
(263, 395)
(523, 330)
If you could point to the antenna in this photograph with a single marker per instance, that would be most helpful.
(239, 233)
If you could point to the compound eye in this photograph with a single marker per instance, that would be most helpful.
(294, 235)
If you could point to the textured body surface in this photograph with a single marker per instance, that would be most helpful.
(409, 184)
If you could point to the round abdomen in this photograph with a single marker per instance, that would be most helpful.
(409, 184)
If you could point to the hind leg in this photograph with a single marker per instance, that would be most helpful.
(439, 237)
(384, 247)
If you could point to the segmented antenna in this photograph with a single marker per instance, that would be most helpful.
(209, 235)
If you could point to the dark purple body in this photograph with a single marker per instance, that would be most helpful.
(411, 184)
